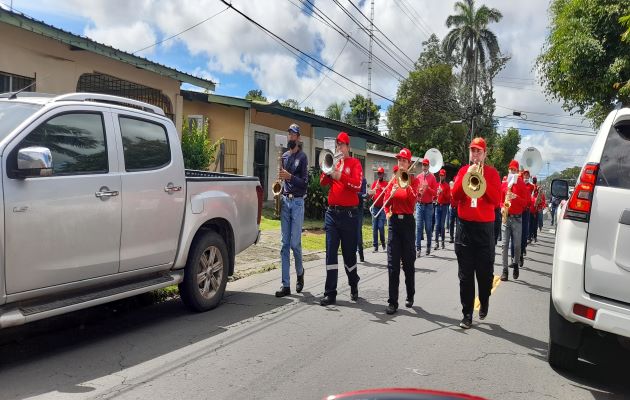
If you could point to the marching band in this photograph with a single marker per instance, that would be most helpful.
(412, 206)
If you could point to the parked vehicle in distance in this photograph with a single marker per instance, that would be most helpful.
(97, 206)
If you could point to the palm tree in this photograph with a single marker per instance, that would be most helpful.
(471, 40)
(336, 110)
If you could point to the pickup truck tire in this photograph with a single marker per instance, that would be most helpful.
(564, 340)
(206, 273)
(562, 357)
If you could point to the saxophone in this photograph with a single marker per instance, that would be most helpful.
(538, 198)
(277, 187)
(506, 204)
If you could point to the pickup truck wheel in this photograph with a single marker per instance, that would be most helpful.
(206, 273)
(562, 357)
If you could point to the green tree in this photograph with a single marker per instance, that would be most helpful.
(199, 152)
(255, 94)
(292, 103)
(504, 150)
(584, 56)
(309, 110)
(336, 111)
(358, 115)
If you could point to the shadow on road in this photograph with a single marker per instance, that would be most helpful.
(62, 353)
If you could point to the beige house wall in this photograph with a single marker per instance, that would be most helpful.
(57, 68)
(225, 122)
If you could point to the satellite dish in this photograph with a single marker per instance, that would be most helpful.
(435, 160)
(532, 160)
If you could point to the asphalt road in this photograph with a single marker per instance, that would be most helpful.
(255, 346)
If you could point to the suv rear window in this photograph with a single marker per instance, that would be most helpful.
(615, 164)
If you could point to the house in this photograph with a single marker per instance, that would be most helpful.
(56, 61)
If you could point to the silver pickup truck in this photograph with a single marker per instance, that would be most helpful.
(97, 206)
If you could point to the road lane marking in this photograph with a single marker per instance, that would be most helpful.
(495, 282)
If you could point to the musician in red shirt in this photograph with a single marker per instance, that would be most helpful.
(512, 226)
(427, 188)
(378, 222)
(443, 202)
(474, 241)
(400, 204)
(341, 220)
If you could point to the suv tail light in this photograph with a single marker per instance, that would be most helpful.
(259, 193)
(579, 207)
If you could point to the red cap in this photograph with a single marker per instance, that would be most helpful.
(380, 170)
(513, 165)
(395, 168)
(404, 153)
(425, 161)
(343, 138)
(442, 172)
(526, 172)
(478, 143)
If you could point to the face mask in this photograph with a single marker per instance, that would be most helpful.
(511, 178)
(380, 177)
(292, 144)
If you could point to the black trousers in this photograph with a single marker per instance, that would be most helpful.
(341, 227)
(474, 247)
(401, 241)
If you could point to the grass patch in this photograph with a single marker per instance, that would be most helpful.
(248, 272)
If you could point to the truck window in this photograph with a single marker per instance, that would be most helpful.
(145, 144)
(76, 142)
(615, 163)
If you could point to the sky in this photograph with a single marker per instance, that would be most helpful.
(233, 52)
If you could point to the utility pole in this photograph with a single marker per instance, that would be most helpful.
(369, 94)
(474, 98)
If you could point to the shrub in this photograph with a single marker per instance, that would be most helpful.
(199, 152)
(317, 196)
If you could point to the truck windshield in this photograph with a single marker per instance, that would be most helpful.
(12, 114)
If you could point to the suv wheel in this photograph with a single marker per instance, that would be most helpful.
(562, 357)
(206, 273)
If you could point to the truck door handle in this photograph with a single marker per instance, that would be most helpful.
(106, 193)
(170, 188)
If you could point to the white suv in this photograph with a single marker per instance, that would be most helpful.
(590, 286)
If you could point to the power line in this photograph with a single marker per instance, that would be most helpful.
(418, 16)
(525, 121)
(182, 32)
(418, 27)
(325, 75)
(539, 113)
(549, 131)
(303, 53)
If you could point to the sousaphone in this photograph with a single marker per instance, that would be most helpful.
(532, 160)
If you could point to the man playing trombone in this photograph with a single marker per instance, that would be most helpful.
(399, 206)
(476, 191)
(377, 192)
(341, 216)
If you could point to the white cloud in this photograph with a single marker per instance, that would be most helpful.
(124, 37)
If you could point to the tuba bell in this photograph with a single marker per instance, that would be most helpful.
(474, 184)
(328, 161)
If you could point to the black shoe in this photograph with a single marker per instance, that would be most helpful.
(483, 311)
(375, 250)
(327, 300)
(391, 309)
(428, 251)
(354, 293)
(361, 258)
(535, 240)
(451, 241)
(300, 283)
(418, 253)
(443, 247)
(409, 303)
(466, 322)
(515, 271)
(437, 246)
(504, 275)
(284, 291)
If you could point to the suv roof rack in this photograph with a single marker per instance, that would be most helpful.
(106, 98)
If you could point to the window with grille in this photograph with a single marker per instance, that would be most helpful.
(229, 163)
(13, 83)
(106, 84)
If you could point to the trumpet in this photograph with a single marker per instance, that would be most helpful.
(276, 188)
(328, 161)
(474, 184)
(403, 178)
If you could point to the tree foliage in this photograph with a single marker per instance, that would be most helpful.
(336, 111)
(584, 56)
(358, 114)
(309, 109)
(255, 94)
(505, 148)
(199, 152)
(292, 103)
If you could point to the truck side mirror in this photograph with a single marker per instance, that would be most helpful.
(34, 161)
(560, 189)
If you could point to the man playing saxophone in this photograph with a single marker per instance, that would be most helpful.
(294, 174)
(514, 200)
(474, 241)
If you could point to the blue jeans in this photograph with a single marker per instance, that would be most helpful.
(291, 221)
(424, 218)
(554, 209)
(540, 220)
(378, 227)
(524, 233)
(440, 228)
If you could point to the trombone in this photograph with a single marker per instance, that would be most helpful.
(403, 179)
